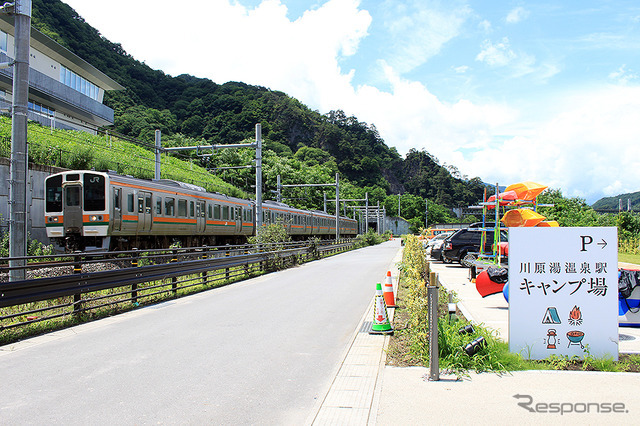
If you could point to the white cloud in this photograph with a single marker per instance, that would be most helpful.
(496, 55)
(485, 26)
(516, 15)
(590, 147)
(623, 75)
(418, 31)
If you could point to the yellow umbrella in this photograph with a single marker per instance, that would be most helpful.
(548, 224)
(527, 191)
(521, 217)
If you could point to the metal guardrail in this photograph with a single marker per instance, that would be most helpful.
(201, 265)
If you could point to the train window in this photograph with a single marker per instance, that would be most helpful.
(159, 206)
(147, 204)
(225, 212)
(182, 208)
(73, 196)
(216, 211)
(94, 192)
(116, 198)
(140, 204)
(72, 177)
(54, 194)
(210, 212)
(192, 209)
(169, 206)
(130, 203)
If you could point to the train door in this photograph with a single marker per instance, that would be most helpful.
(72, 208)
(238, 218)
(144, 211)
(117, 209)
(201, 220)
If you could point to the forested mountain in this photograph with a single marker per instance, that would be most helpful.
(613, 203)
(187, 108)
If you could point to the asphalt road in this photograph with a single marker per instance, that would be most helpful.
(259, 352)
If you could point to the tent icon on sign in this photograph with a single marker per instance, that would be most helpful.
(551, 316)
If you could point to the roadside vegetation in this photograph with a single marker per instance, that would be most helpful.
(409, 346)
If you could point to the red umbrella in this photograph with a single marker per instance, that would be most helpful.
(504, 198)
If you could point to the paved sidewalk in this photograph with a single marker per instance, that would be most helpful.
(366, 392)
(352, 398)
(583, 397)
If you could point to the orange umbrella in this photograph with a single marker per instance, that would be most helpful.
(521, 217)
(548, 224)
(527, 191)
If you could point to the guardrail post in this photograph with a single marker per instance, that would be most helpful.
(174, 280)
(246, 265)
(77, 269)
(227, 270)
(134, 287)
(204, 273)
(432, 303)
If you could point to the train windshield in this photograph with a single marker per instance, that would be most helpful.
(53, 202)
(94, 199)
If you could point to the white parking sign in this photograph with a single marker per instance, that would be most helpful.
(563, 292)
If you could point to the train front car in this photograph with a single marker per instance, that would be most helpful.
(76, 210)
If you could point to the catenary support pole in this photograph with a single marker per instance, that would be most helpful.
(19, 148)
(158, 150)
(337, 206)
(258, 177)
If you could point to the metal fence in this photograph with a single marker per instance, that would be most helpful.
(82, 285)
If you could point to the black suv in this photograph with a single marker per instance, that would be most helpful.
(464, 245)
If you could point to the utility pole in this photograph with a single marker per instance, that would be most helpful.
(258, 177)
(337, 206)
(366, 212)
(158, 150)
(426, 213)
(21, 10)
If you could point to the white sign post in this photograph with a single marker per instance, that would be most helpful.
(563, 292)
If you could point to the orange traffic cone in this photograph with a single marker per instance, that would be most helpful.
(388, 292)
(380, 324)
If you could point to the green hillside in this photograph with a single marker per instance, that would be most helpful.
(613, 203)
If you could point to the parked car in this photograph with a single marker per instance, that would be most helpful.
(464, 245)
(436, 250)
(432, 232)
(436, 241)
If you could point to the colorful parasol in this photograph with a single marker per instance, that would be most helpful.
(505, 198)
(527, 190)
(521, 217)
(548, 224)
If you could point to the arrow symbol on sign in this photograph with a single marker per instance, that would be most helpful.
(603, 244)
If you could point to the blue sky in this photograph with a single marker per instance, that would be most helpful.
(507, 91)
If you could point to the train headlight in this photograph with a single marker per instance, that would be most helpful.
(95, 218)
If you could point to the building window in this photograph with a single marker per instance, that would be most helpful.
(73, 80)
(40, 109)
(3, 41)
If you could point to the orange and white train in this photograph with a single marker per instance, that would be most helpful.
(103, 210)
